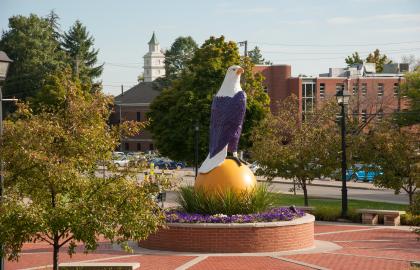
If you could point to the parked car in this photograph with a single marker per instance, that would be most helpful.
(166, 164)
(121, 162)
(365, 173)
(116, 155)
(254, 167)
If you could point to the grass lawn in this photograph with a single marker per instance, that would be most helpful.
(289, 199)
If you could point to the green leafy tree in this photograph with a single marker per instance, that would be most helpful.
(78, 44)
(410, 90)
(394, 152)
(379, 59)
(31, 43)
(187, 103)
(51, 190)
(178, 56)
(354, 59)
(257, 58)
(177, 59)
(375, 57)
(285, 146)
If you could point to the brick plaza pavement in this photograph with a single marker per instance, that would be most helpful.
(359, 247)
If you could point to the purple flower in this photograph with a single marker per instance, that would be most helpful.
(275, 214)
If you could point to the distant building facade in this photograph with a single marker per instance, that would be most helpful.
(154, 61)
(372, 93)
(133, 104)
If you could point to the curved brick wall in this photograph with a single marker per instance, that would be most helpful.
(235, 238)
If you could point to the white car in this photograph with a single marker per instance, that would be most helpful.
(121, 162)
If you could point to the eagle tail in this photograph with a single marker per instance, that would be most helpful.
(212, 162)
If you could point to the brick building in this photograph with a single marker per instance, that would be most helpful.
(133, 105)
(372, 93)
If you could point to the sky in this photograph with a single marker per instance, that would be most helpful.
(309, 35)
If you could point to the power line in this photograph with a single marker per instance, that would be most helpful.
(328, 52)
(332, 45)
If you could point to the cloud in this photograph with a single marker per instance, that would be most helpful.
(247, 11)
(400, 30)
(396, 17)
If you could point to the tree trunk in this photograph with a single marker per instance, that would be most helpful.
(410, 199)
(55, 254)
(305, 192)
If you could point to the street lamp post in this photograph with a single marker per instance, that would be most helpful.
(343, 97)
(196, 128)
(4, 66)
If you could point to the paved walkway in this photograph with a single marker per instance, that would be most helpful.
(354, 247)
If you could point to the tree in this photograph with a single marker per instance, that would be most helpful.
(187, 102)
(285, 146)
(353, 59)
(374, 57)
(52, 191)
(78, 44)
(30, 42)
(257, 58)
(410, 90)
(177, 59)
(413, 62)
(178, 56)
(379, 59)
(394, 152)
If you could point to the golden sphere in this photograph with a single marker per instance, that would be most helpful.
(227, 176)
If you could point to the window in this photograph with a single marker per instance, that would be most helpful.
(355, 89)
(364, 89)
(396, 89)
(322, 90)
(379, 115)
(266, 89)
(364, 116)
(126, 146)
(339, 87)
(138, 116)
(308, 95)
(138, 146)
(380, 89)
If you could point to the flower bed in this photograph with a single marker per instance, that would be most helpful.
(275, 214)
(275, 230)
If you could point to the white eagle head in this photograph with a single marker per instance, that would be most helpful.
(231, 84)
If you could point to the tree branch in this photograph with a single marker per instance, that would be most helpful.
(44, 239)
(66, 241)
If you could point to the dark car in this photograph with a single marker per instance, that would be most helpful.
(166, 164)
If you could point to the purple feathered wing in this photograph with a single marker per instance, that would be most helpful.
(227, 116)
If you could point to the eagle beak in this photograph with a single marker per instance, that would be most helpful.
(240, 71)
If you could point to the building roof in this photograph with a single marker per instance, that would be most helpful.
(143, 92)
(153, 40)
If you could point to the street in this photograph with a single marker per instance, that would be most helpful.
(328, 189)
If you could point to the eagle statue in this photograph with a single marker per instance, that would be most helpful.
(227, 116)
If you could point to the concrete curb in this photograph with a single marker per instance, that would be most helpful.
(320, 185)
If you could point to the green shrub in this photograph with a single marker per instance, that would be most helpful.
(410, 219)
(226, 202)
(331, 213)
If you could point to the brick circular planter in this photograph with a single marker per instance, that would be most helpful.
(234, 237)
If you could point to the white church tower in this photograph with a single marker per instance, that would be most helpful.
(154, 66)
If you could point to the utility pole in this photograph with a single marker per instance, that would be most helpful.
(245, 44)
